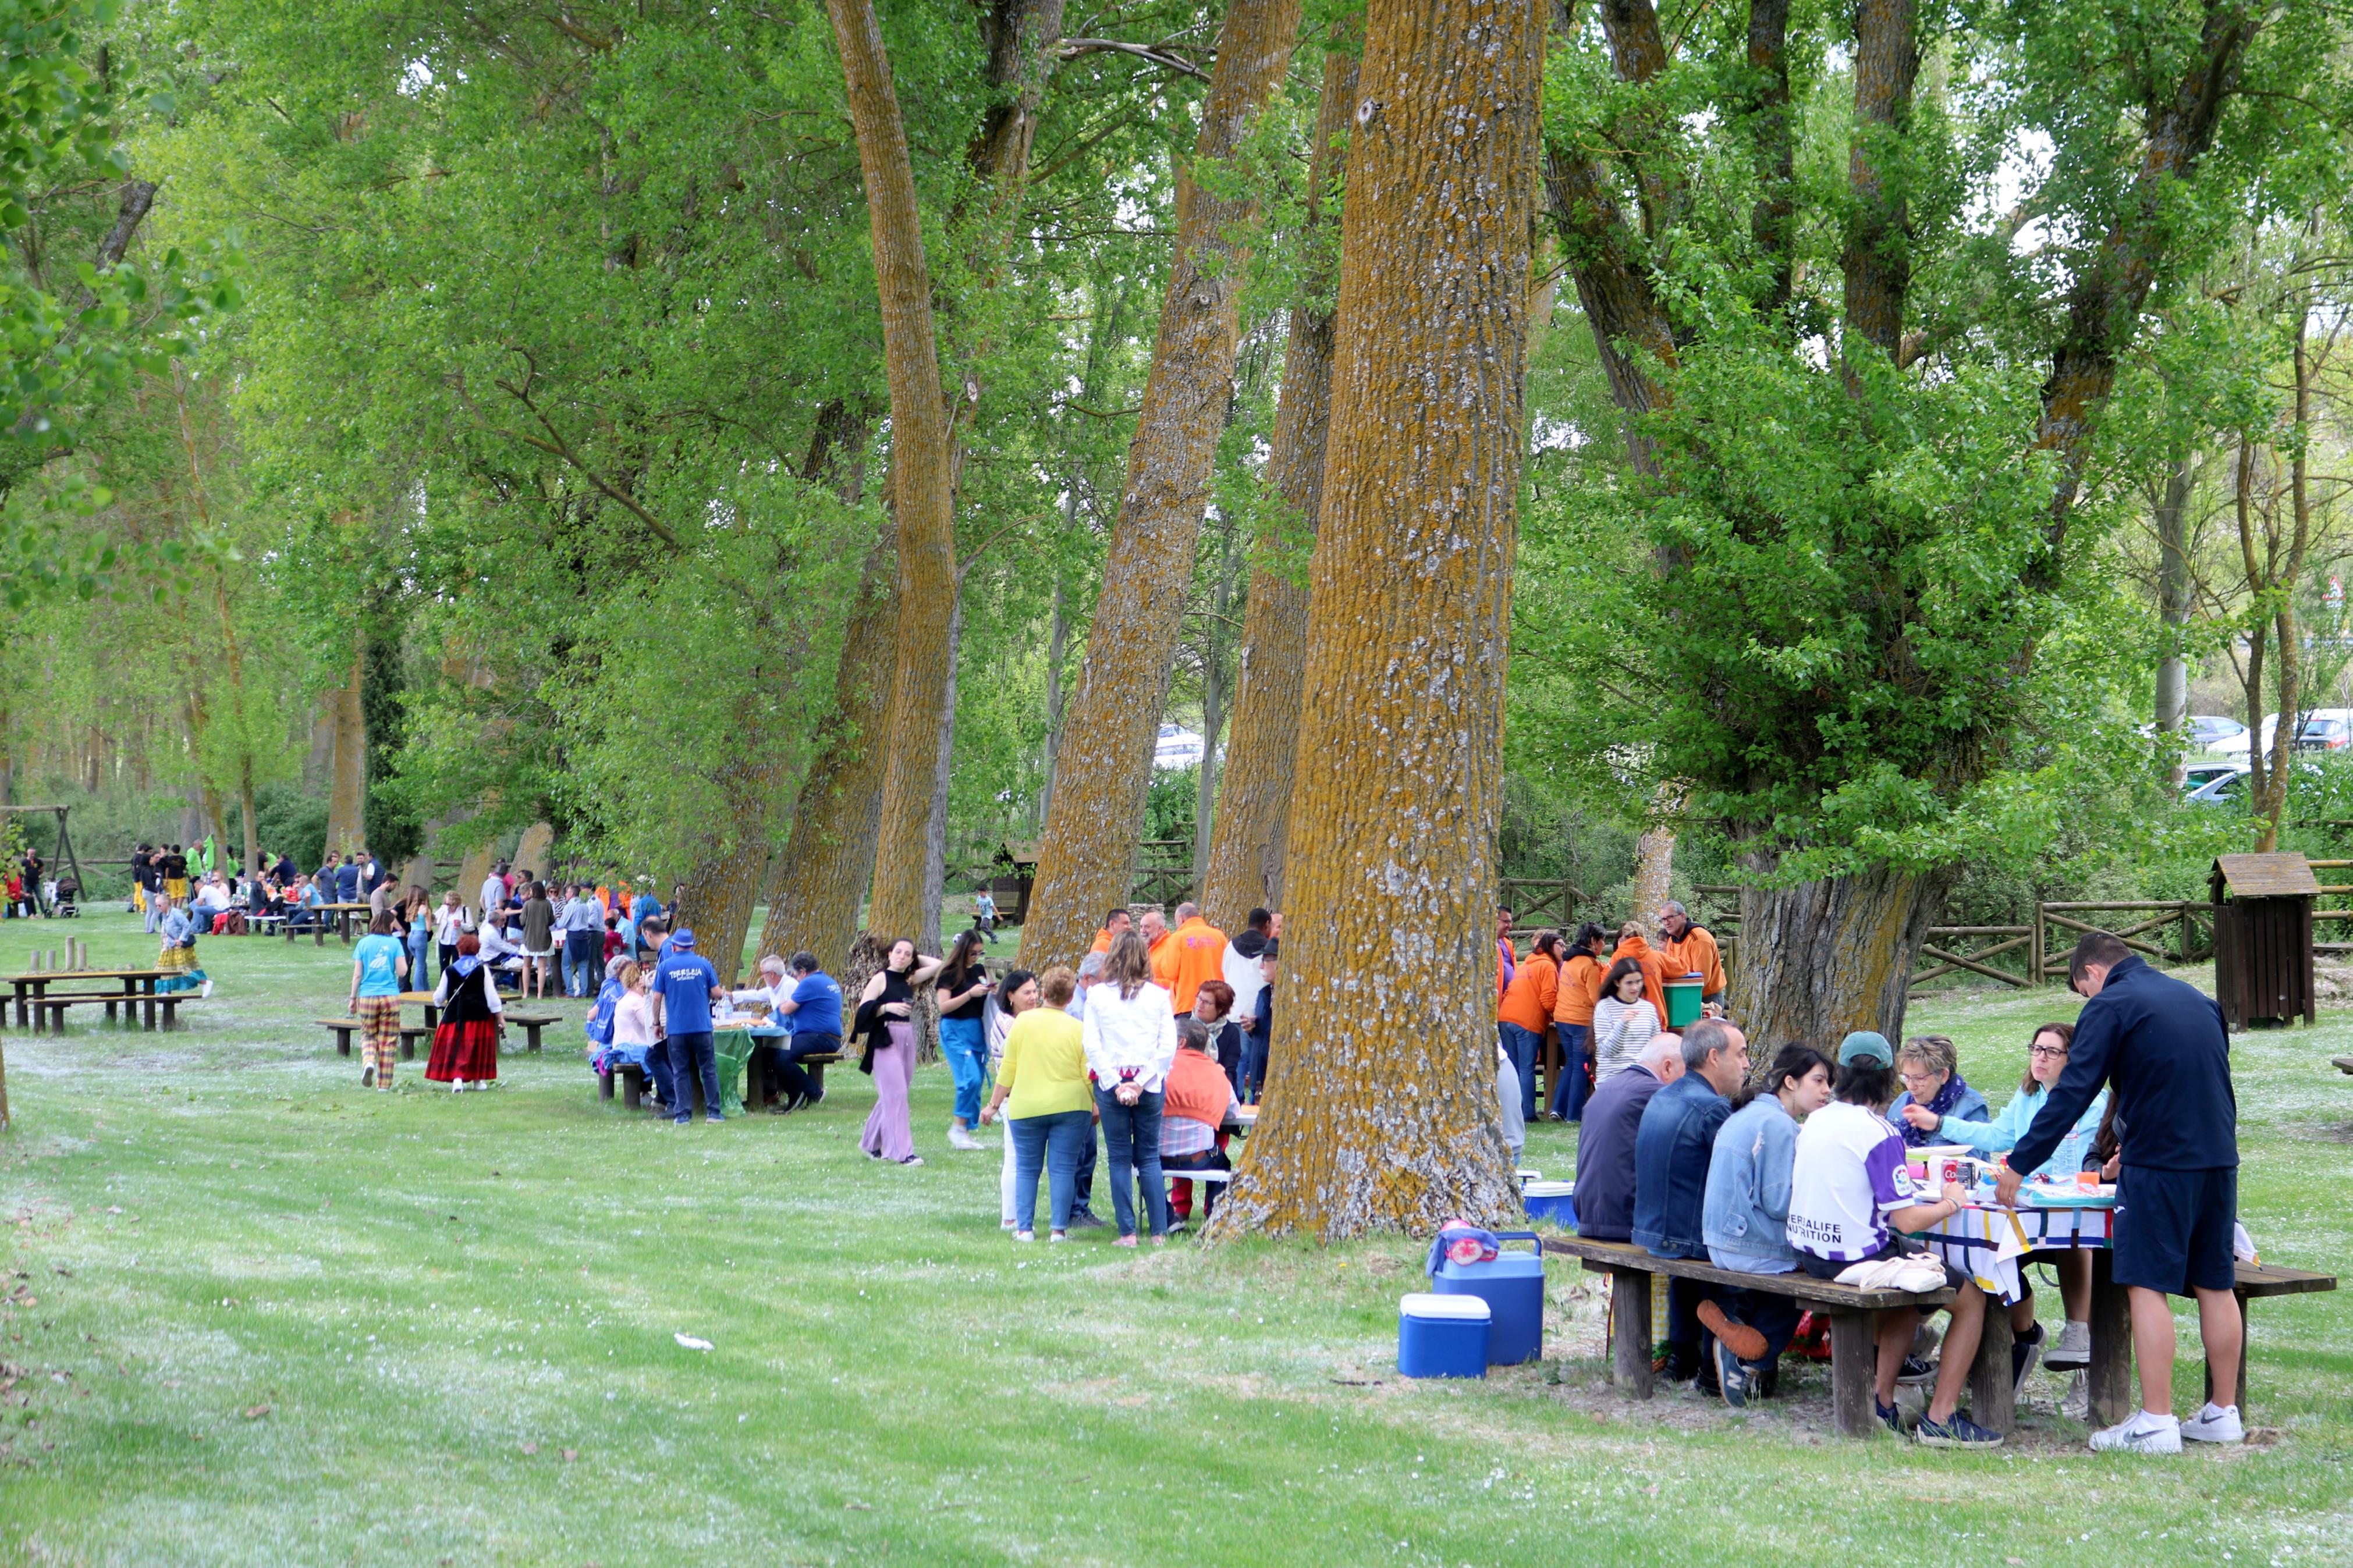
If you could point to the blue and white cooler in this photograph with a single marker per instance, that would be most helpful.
(1511, 1283)
(1442, 1336)
(1554, 1201)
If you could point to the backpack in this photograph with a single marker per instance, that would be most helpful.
(600, 1017)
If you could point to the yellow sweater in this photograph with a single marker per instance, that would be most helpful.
(1045, 1065)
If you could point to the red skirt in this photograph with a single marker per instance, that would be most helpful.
(469, 1051)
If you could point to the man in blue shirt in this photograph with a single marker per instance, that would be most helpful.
(347, 881)
(2162, 1050)
(686, 985)
(813, 1010)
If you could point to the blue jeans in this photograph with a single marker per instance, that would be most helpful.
(965, 1045)
(1132, 1137)
(689, 1055)
(1053, 1140)
(580, 962)
(1523, 1046)
(418, 947)
(1254, 1067)
(1570, 1095)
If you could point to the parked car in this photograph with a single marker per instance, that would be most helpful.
(2209, 731)
(1177, 748)
(2196, 776)
(2229, 787)
(2325, 730)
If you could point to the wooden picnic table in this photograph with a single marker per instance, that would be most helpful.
(33, 989)
(316, 917)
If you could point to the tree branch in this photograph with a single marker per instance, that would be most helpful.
(1073, 47)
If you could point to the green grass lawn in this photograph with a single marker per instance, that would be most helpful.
(256, 1314)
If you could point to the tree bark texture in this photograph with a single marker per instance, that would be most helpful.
(921, 498)
(1772, 219)
(1103, 766)
(347, 796)
(1252, 824)
(935, 824)
(1879, 239)
(1818, 959)
(535, 850)
(1381, 1111)
(2176, 596)
(828, 855)
(1021, 35)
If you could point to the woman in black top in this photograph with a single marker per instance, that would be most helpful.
(886, 1024)
(964, 1037)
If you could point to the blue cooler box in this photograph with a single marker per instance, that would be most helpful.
(1442, 1336)
(1555, 1201)
(1513, 1287)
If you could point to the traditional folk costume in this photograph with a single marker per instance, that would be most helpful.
(466, 1045)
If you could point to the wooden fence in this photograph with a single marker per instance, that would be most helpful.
(2036, 949)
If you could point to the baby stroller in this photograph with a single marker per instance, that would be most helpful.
(63, 906)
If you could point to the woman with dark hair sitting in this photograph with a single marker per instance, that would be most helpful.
(1745, 1218)
(1851, 1201)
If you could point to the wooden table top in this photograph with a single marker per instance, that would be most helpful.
(89, 975)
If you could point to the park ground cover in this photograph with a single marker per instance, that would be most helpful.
(256, 1314)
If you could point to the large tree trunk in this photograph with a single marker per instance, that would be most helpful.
(1879, 239)
(347, 799)
(1105, 766)
(828, 854)
(1381, 1111)
(1818, 959)
(721, 890)
(935, 826)
(1253, 816)
(921, 478)
(1058, 642)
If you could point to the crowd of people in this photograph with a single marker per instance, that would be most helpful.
(1686, 1152)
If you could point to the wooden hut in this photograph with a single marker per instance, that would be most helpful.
(2263, 938)
(1014, 874)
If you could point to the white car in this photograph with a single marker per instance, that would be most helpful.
(2209, 731)
(1177, 748)
(2323, 730)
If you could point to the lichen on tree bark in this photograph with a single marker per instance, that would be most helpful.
(1381, 1110)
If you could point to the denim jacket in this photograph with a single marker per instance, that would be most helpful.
(1670, 1161)
(1746, 1222)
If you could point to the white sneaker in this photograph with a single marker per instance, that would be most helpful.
(2072, 1349)
(205, 989)
(960, 1139)
(2075, 1405)
(2141, 1432)
(2215, 1424)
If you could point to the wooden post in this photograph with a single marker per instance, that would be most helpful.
(2034, 964)
(2108, 1380)
(1853, 1369)
(1629, 1335)
(4, 1087)
(2239, 1393)
(1993, 1394)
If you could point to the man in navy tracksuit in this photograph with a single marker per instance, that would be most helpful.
(2161, 1047)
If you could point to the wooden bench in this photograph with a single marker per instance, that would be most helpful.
(633, 1085)
(141, 1006)
(345, 1029)
(1849, 1309)
(2256, 1280)
(2343, 1064)
(531, 1024)
(814, 1065)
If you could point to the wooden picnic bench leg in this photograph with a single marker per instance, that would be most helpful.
(171, 1012)
(343, 1042)
(1855, 1360)
(1993, 1393)
(1630, 1332)
(604, 1086)
(531, 1034)
(2107, 1382)
(633, 1090)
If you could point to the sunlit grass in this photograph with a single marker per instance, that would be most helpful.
(265, 1316)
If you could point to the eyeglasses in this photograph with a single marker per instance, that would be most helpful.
(2047, 1051)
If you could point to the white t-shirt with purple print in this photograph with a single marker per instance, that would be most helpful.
(1849, 1175)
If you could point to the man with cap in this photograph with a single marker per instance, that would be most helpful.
(2161, 1048)
(684, 987)
(1851, 1201)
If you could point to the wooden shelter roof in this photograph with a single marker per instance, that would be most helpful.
(2283, 876)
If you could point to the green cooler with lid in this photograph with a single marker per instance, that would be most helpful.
(1682, 1000)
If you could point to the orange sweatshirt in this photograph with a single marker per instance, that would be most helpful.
(1694, 954)
(1655, 969)
(1580, 988)
(1200, 949)
(1528, 1001)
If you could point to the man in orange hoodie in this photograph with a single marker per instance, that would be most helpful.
(1524, 1017)
(1116, 921)
(1200, 954)
(1154, 925)
(1630, 944)
(1690, 950)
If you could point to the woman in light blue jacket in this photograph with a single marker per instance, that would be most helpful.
(2046, 1059)
(1744, 1214)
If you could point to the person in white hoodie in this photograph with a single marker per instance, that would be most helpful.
(1130, 1035)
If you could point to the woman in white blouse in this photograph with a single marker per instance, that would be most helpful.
(1130, 1035)
(1623, 1021)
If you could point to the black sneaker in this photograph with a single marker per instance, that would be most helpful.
(2023, 1354)
(1960, 1431)
(1085, 1220)
(1916, 1372)
(1732, 1378)
(1890, 1416)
